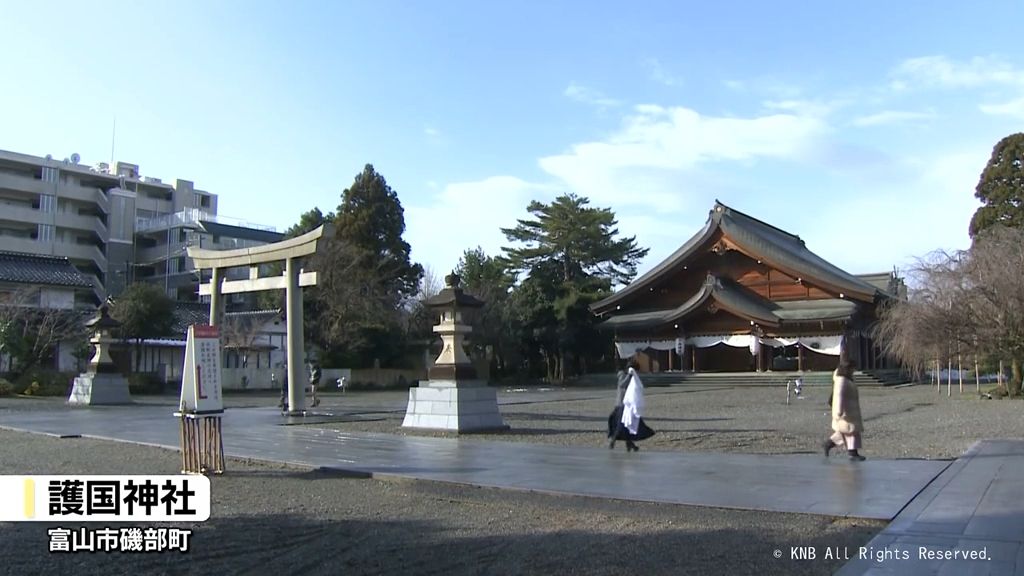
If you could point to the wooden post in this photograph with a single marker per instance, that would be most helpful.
(960, 371)
(202, 444)
(693, 358)
(949, 378)
(799, 357)
(977, 376)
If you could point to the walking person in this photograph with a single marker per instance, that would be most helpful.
(847, 424)
(314, 381)
(626, 420)
(284, 389)
(622, 378)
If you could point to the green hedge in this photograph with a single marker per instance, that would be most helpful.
(144, 383)
(45, 383)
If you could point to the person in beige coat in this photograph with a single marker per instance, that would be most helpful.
(847, 424)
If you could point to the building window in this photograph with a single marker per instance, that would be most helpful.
(47, 203)
(50, 174)
(45, 233)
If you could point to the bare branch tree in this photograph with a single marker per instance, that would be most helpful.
(240, 332)
(431, 284)
(30, 333)
(964, 302)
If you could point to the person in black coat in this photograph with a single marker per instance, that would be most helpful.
(626, 422)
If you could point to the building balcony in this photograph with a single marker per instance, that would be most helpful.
(32, 186)
(190, 218)
(69, 220)
(25, 184)
(24, 214)
(185, 218)
(82, 222)
(151, 256)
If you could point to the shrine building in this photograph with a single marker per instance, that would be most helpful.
(742, 295)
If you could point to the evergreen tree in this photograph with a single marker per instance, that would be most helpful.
(1001, 187)
(144, 311)
(572, 258)
(580, 238)
(486, 278)
(371, 221)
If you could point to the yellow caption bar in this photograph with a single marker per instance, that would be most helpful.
(30, 499)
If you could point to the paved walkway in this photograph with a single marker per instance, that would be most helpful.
(975, 507)
(972, 504)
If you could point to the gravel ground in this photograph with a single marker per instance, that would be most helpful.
(271, 519)
(904, 422)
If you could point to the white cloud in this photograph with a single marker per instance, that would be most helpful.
(1000, 78)
(431, 132)
(814, 108)
(664, 145)
(940, 71)
(660, 74)
(1014, 108)
(889, 117)
(465, 215)
(589, 96)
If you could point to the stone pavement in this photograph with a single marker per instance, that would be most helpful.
(938, 507)
(975, 507)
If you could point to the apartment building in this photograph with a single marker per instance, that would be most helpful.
(113, 224)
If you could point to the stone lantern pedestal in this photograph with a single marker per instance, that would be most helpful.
(453, 398)
(101, 383)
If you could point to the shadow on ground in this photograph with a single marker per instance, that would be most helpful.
(287, 544)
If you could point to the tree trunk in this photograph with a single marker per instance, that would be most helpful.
(1013, 387)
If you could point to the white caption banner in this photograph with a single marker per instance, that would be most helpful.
(88, 498)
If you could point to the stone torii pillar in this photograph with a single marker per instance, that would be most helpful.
(291, 250)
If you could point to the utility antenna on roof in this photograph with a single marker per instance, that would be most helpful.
(113, 134)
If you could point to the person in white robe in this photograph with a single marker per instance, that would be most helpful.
(626, 421)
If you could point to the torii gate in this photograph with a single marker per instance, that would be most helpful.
(291, 281)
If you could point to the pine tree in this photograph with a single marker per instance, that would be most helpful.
(1001, 187)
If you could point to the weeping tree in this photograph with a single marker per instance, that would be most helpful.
(994, 270)
(969, 302)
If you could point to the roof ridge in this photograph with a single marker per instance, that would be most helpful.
(730, 210)
(266, 311)
(37, 256)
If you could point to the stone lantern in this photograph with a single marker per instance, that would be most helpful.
(453, 398)
(101, 383)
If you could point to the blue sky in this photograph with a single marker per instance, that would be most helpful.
(861, 127)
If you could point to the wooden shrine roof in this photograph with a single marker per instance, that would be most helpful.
(732, 298)
(776, 247)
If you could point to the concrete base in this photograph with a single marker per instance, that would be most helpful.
(466, 406)
(98, 389)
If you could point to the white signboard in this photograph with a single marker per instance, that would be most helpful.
(200, 382)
